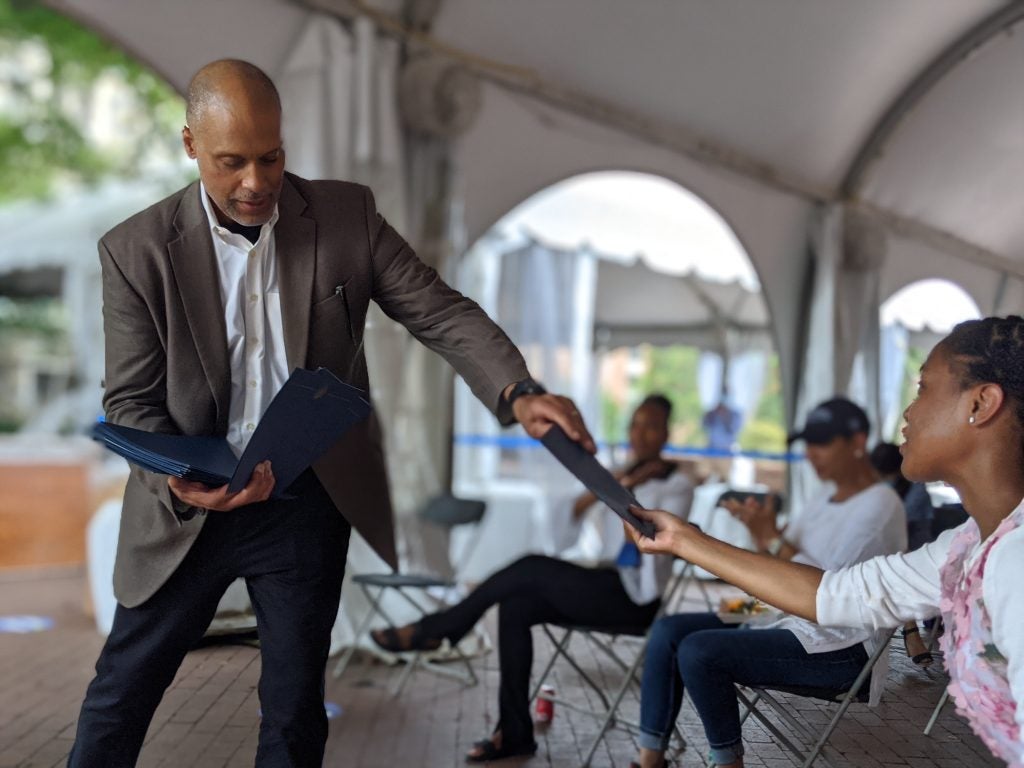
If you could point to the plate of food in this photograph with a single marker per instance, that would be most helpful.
(736, 610)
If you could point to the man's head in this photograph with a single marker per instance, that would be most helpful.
(233, 132)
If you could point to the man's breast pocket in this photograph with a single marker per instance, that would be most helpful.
(332, 316)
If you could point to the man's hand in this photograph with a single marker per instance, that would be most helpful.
(259, 488)
(538, 412)
(759, 518)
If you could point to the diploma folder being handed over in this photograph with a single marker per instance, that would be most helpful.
(599, 480)
(306, 417)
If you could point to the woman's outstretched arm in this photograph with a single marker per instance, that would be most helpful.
(791, 587)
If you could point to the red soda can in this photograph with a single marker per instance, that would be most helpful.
(545, 710)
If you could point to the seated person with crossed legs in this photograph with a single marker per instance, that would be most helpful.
(540, 590)
(859, 518)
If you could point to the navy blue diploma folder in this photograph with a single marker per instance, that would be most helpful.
(599, 480)
(310, 412)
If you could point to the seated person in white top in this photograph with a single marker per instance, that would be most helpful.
(539, 589)
(858, 518)
(966, 428)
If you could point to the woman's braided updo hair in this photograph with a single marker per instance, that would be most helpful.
(991, 350)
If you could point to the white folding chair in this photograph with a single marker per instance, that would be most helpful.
(445, 510)
(814, 743)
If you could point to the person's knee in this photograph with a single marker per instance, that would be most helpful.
(698, 652)
(525, 575)
(669, 631)
(664, 636)
(529, 563)
(518, 610)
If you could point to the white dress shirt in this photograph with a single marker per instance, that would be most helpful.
(252, 316)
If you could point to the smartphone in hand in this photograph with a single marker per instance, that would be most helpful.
(760, 496)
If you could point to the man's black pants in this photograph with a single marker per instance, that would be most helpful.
(292, 556)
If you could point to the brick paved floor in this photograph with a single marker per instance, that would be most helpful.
(209, 717)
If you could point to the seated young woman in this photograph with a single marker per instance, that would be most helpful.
(856, 518)
(965, 428)
(539, 589)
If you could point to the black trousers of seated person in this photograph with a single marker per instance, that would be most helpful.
(292, 556)
(537, 590)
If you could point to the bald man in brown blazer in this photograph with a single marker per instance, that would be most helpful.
(210, 298)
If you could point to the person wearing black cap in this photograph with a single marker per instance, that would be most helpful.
(964, 428)
(857, 518)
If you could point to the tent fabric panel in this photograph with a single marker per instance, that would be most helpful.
(957, 159)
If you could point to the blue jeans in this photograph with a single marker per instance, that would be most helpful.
(708, 657)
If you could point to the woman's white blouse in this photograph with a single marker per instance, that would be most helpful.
(888, 591)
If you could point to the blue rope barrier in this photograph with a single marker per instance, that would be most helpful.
(521, 442)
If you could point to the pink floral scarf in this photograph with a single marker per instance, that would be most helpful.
(977, 669)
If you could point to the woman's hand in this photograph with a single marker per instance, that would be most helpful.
(642, 474)
(758, 517)
(788, 586)
(259, 488)
(671, 533)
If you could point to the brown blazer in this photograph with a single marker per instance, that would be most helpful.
(167, 364)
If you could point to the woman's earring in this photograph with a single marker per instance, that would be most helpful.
(970, 420)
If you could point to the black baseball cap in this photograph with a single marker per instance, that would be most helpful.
(834, 418)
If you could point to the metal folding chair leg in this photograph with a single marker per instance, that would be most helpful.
(815, 741)
(608, 716)
(795, 725)
(468, 678)
(936, 712)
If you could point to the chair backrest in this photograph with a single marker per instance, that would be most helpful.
(449, 511)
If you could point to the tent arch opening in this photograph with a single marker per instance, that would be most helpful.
(604, 261)
(913, 319)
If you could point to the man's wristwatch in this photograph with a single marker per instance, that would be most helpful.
(525, 387)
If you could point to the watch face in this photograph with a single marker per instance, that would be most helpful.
(526, 387)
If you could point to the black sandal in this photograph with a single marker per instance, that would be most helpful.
(389, 640)
(920, 659)
(488, 751)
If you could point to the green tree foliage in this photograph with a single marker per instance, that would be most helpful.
(55, 77)
(672, 371)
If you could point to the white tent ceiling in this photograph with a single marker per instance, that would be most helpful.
(676, 309)
(910, 110)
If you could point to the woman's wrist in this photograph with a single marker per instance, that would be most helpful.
(774, 545)
(767, 539)
(688, 541)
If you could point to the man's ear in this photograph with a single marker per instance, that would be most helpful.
(189, 142)
(986, 401)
